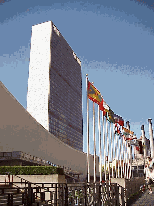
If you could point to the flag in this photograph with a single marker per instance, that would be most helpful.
(102, 107)
(106, 109)
(111, 116)
(134, 137)
(128, 138)
(128, 134)
(108, 112)
(127, 131)
(118, 120)
(117, 131)
(94, 94)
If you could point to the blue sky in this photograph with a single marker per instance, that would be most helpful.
(113, 39)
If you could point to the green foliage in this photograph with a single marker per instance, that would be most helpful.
(31, 170)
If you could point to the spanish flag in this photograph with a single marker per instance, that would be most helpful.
(94, 94)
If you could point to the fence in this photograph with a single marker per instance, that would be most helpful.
(61, 193)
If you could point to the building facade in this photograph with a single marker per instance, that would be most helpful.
(54, 96)
(139, 148)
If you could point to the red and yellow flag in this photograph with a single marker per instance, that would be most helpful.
(94, 94)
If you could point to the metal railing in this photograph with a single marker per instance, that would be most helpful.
(65, 194)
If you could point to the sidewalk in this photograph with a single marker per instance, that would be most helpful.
(145, 199)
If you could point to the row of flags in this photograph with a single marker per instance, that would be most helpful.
(117, 152)
(95, 96)
(127, 134)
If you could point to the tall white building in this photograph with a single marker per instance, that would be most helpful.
(54, 96)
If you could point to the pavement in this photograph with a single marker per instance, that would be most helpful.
(145, 199)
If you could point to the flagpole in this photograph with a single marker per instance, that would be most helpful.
(126, 145)
(104, 148)
(119, 156)
(114, 152)
(107, 145)
(127, 159)
(88, 164)
(94, 143)
(99, 129)
(111, 148)
(122, 162)
(125, 155)
(151, 138)
(143, 142)
(123, 152)
(116, 155)
(121, 149)
(108, 150)
(130, 151)
(112, 141)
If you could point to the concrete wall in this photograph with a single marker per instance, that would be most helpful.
(128, 186)
(19, 131)
(55, 178)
